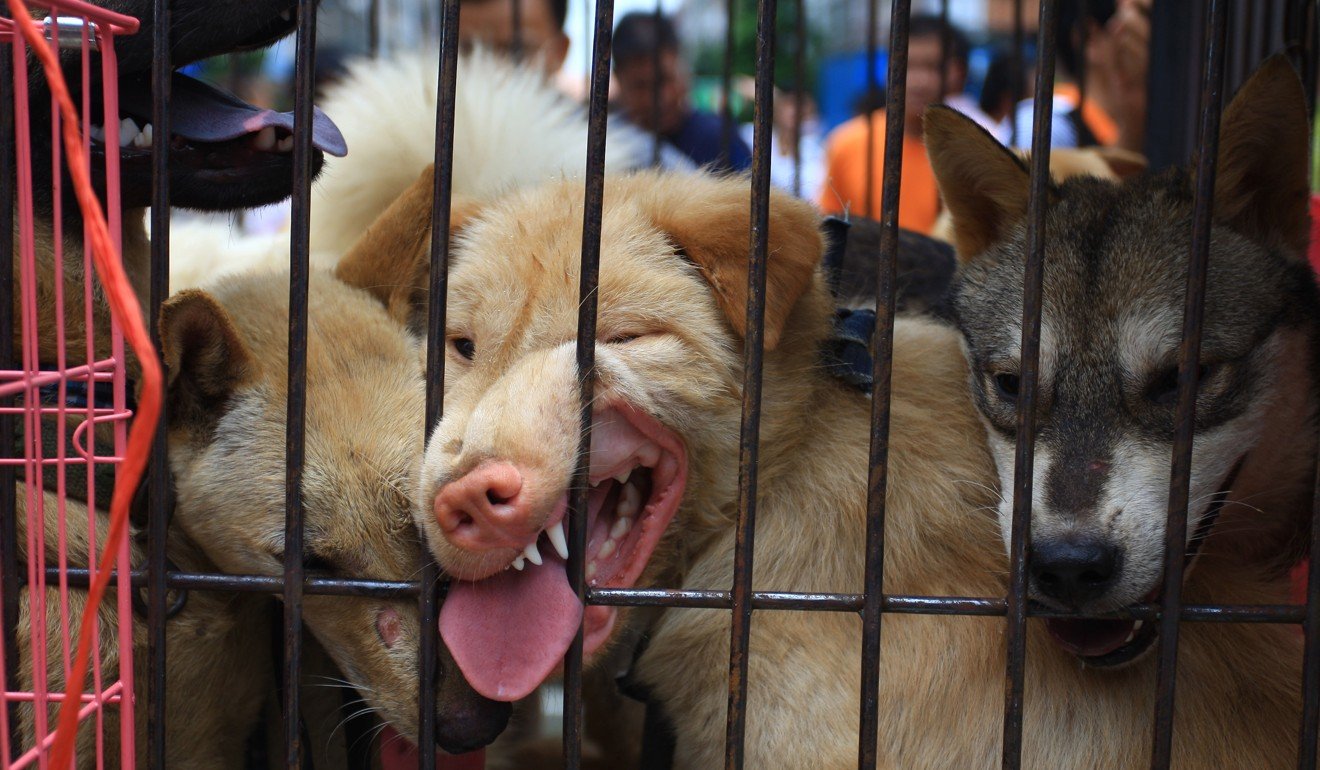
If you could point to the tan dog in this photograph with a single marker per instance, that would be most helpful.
(663, 470)
(226, 357)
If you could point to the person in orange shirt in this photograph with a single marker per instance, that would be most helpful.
(846, 188)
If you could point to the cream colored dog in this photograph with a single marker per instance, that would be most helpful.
(227, 361)
(666, 414)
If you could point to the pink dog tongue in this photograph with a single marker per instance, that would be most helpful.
(509, 631)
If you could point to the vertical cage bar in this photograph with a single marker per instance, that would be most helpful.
(1306, 750)
(726, 84)
(1026, 407)
(881, 365)
(1189, 363)
(1082, 29)
(593, 204)
(515, 19)
(754, 354)
(872, 83)
(158, 478)
(373, 28)
(295, 416)
(800, 89)
(441, 201)
(9, 578)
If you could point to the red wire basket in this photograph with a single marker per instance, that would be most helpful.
(73, 395)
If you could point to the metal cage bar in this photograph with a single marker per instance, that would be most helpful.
(882, 342)
(593, 205)
(9, 569)
(1189, 362)
(1028, 378)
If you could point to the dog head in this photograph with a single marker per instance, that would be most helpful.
(221, 156)
(494, 485)
(1114, 286)
(226, 356)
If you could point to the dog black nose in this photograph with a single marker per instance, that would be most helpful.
(1073, 571)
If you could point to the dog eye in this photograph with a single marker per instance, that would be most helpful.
(622, 339)
(1006, 385)
(465, 347)
(1163, 390)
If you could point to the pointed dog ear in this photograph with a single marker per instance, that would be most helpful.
(983, 185)
(710, 220)
(1261, 187)
(205, 359)
(392, 259)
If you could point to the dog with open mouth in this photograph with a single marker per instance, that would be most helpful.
(663, 470)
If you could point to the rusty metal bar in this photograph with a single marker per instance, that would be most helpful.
(593, 205)
(373, 28)
(1019, 71)
(656, 139)
(429, 597)
(516, 41)
(1306, 750)
(1082, 29)
(1030, 369)
(295, 415)
(754, 353)
(1189, 363)
(800, 89)
(9, 572)
(945, 34)
(159, 480)
(881, 365)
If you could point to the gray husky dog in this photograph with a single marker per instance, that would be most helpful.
(1116, 260)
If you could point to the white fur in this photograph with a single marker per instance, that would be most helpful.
(511, 129)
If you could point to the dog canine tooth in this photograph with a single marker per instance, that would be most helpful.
(557, 539)
(606, 549)
(533, 555)
(621, 527)
(285, 144)
(265, 139)
(622, 476)
(519, 562)
(128, 130)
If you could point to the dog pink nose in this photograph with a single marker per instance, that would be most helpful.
(485, 509)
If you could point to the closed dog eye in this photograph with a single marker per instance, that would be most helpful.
(464, 347)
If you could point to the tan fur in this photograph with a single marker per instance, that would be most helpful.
(513, 292)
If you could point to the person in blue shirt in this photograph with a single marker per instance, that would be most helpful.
(653, 85)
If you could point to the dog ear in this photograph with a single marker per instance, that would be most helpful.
(392, 258)
(983, 185)
(710, 220)
(1261, 180)
(205, 359)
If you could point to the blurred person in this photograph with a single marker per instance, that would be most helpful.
(955, 72)
(540, 34)
(657, 99)
(1114, 62)
(998, 94)
(800, 174)
(846, 151)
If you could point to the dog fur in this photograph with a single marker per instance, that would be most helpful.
(672, 295)
(511, 129)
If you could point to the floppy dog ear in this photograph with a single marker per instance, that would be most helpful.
(1261, 180)
(392, 258)
(710, 220)
(205, 359)
(984, 186)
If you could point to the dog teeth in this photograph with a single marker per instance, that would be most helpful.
(533, 555)
(519, 562)
(606, 549)
(265, 139)
(622, 476)
(128, 131)
(630, 501)
(143, 139)
(557, 539)
(97, 133)
(621, 527)
(591, 571)
(285, 144)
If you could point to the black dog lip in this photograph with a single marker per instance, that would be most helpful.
(201, 112)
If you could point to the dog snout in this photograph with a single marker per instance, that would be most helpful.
(1074, 571)
(486, 508)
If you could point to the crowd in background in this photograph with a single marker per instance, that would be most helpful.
(1102, 56)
